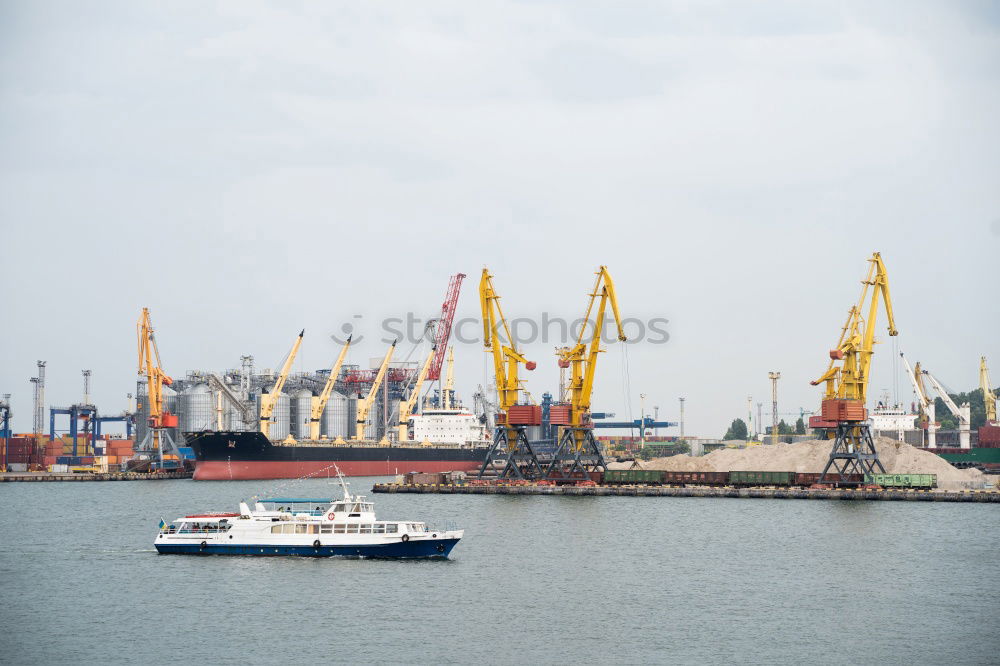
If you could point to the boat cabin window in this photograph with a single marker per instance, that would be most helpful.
(326, 529)
(391, 528)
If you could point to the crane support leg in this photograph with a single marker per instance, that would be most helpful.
(519, 460)
(853, 455)
(574, 464)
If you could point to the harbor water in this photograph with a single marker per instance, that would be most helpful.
(536, 580)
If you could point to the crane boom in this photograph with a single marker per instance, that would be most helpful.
(918, 386)
(365, 404)
(151, 368)
(989, 398)
(406, 406)
(269, 400)
(443, 329)
(583, 359)
(952, 407)
(319, 403)
(848, 382)
(505, 356)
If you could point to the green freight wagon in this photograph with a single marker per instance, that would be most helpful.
(761, 478)
(633, 476)
(903, 480)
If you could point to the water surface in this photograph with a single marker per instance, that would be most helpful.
(536, 580)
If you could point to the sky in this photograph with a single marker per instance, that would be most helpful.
(248, 169)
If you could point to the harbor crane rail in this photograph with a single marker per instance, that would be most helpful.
(843, 410)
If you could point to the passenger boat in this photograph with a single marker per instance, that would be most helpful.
(305, 526)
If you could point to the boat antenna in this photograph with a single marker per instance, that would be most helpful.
(343, 482)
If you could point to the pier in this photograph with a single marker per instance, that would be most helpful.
(11, 477)
(987, 496)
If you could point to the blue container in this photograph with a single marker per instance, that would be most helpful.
(64, 460)
(186, 452)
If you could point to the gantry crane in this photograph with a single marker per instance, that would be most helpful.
(319, 402)
(843, 412)
(270, 399)
(510, 442)
(963, 413)
(989, 398)
(406, 406)
(365, 404)
(158, 419)
(578, 452)
(927, 420)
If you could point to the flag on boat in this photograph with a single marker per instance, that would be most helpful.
(162, 524)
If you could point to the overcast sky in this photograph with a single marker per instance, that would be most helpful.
(248, 169)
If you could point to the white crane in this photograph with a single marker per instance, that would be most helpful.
(963, 413)
(926, 404)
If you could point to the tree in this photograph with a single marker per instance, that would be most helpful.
(800, 427)
(783, 428)
(737, 430)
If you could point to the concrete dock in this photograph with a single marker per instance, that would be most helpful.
(988, 496)
(11, 477)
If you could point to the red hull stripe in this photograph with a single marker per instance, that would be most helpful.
(222, 470)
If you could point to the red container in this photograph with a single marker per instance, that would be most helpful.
(989, 436)
(524, 415)
(559, 415)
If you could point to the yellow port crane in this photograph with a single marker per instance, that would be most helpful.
(319, 402)
(406, 406)
(578, 452)
(843, 410)
(509, 440)
(854, 349)
(150, 367)
(365, 404)
(270, 399)
(989, 398)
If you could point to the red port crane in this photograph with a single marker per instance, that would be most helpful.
(443, 329)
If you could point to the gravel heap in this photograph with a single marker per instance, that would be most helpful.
(811, 456)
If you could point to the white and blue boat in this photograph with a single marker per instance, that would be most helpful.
(305, 526)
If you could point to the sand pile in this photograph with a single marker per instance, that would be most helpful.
(811, 456)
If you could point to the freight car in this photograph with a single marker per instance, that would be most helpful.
(744, 479)
(925, 481)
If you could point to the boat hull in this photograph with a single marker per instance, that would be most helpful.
(224, 456)
(414, 549)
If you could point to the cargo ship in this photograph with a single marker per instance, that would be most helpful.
(444, 441)
(251, 455)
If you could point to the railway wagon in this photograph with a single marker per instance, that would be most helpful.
(810, 478)
(903, 480)
(762, 478)
(696, 478)
(650, 477)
